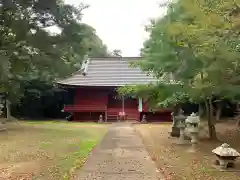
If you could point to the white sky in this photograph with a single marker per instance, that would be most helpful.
(120, 23)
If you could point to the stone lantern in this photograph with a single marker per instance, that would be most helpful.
(226, 156)
(175, 132)
(176, 120)
(180, 123)
(100, 118)
(193, 122)
(144, 119)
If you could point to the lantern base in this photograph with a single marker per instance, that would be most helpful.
(225, 165)
(217, 167)
(175, 132)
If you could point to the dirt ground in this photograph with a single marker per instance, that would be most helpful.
(177, 164)
(45, 150)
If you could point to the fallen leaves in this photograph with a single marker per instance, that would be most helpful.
(44, 150)
(175, 163)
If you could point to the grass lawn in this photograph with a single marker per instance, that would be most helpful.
(46, 150)
(177, 164)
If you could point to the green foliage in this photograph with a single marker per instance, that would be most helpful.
(209, 31)
(117, 53)
(157, 95)
(29, 50)
(197, 45)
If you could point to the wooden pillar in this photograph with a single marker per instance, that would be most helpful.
(123, 107)
(140, 105)
(123, 104)
(106, 113)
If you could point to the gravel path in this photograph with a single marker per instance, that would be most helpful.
(120, 156)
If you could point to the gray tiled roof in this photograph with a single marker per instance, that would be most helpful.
(109, 71)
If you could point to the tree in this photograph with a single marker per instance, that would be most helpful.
(91, 40)
(117, 53)
(212, 36)
(197, 44)
(28, 51)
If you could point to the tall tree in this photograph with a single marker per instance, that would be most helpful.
(117, 52)
(91, 40)
(28, 51)
(197, 45)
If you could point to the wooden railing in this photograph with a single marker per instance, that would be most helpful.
(131, 113)
(85, 108)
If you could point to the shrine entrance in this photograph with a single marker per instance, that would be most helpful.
(121, 103)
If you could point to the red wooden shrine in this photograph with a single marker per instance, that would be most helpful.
(95, 87)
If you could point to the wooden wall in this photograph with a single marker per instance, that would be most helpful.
(88, 97)
(90, 102)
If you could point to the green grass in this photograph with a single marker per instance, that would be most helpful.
(57, 122)
(46, 150)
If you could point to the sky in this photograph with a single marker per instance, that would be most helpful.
(120, 23)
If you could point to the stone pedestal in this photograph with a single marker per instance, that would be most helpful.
(181, 139)
(175, 132)
(193, 148)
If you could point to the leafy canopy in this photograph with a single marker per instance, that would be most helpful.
(30, 50)
(197, 45)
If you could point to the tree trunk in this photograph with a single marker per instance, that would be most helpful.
(218, 112)
(238, 123)
(8, 106)
(200, 110)
(211, 123)
(238, 115)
